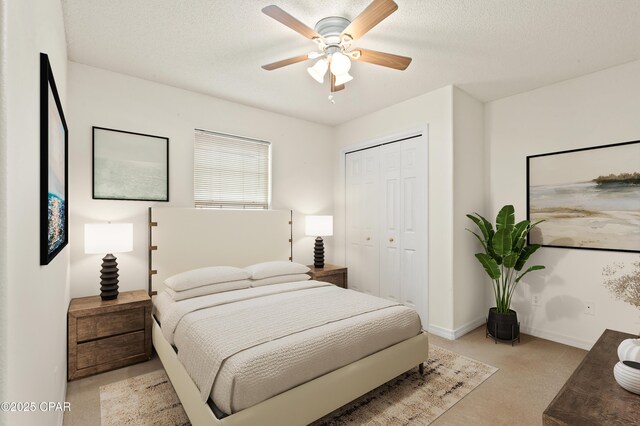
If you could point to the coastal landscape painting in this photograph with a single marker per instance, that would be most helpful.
(130, 166)
(588, 198)
(53, 167)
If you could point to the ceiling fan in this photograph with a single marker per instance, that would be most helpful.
(333, 36)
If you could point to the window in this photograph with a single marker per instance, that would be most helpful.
(231, 171)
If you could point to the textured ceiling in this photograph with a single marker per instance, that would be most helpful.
(489, 48)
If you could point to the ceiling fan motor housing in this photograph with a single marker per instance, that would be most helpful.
(330, 29)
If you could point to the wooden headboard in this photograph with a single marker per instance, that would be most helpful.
(181, 239)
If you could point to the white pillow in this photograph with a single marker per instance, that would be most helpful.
(275, 268)
(207, 289)
(280, 279)
(205, 276)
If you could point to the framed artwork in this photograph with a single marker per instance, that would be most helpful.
(588, 198)
(54, 169)
(130, 166)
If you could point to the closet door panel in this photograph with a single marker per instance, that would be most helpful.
(390, 271)
(369, 221)
(413, 224)
(354, 232)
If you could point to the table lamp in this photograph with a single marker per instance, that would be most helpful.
(109, 238)
(318, 226)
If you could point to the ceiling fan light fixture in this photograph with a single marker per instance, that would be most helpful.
(343, 78)
(315, 55)
(354, 54)
(340, 64)
(318, 70)
(334, 36)
(346, 41)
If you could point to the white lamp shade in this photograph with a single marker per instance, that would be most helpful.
(105, 238)
(319, 226)
(318, 70)
(343, 78)
(340, 64)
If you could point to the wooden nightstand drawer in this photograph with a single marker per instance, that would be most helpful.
(96, 326)
(106, 350)
(334, 279)
(107, 334)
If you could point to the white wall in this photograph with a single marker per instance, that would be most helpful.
(596, 109)
(469, 195)
(4, 305)
(435, 110)
(302, 161)
(456, 186)
(37, 296)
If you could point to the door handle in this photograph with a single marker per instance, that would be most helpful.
(391, 239)
(368, 238)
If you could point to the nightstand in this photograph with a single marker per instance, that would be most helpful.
(107, 334)
(330, 273)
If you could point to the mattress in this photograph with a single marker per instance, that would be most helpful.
(245, 346)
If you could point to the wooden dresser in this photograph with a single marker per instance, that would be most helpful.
(105, 335)
(330, 273)
(592, 396)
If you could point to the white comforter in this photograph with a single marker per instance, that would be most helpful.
(242, 347)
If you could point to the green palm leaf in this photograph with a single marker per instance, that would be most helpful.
(531, 268)
(519, 233)
(506, 218)
(510, 260)
(484, 245)
(501, 243)
(481, 225)
(525, 254)
(489, 265)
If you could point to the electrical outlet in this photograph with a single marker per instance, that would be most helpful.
(589, 308)
(535, 300)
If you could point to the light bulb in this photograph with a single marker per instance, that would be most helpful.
(318, 70)
(340, 64)
(343, 78)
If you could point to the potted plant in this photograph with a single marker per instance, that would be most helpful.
(505, 255)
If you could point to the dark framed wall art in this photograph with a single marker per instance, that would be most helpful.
(54, 168)
(588, 198)
(130, 166)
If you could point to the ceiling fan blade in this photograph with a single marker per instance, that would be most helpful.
(335, 88)
(375, 13)
(283, 17)
(285, 62)
(385, 59)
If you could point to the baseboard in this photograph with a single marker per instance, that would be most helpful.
(62, 399)
(470, 326)
(441, 331)
(457, 333)
(450, 334)
(555, 337)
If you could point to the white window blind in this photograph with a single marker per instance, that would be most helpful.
(231, 171)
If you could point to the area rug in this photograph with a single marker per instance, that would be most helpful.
(143, 400)
(410, 399)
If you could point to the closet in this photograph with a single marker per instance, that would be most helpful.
(386, 221)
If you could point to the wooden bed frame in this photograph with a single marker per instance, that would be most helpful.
(302, 404)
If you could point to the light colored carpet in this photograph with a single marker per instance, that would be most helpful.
(408, 399)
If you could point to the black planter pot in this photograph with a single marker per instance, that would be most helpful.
(503, 326)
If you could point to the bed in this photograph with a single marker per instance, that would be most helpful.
(286, 353)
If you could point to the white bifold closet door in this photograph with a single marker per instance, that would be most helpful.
(362, 226)
(386, 216)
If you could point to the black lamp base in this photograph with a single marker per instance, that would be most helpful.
(318, 253)
(109, 278)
